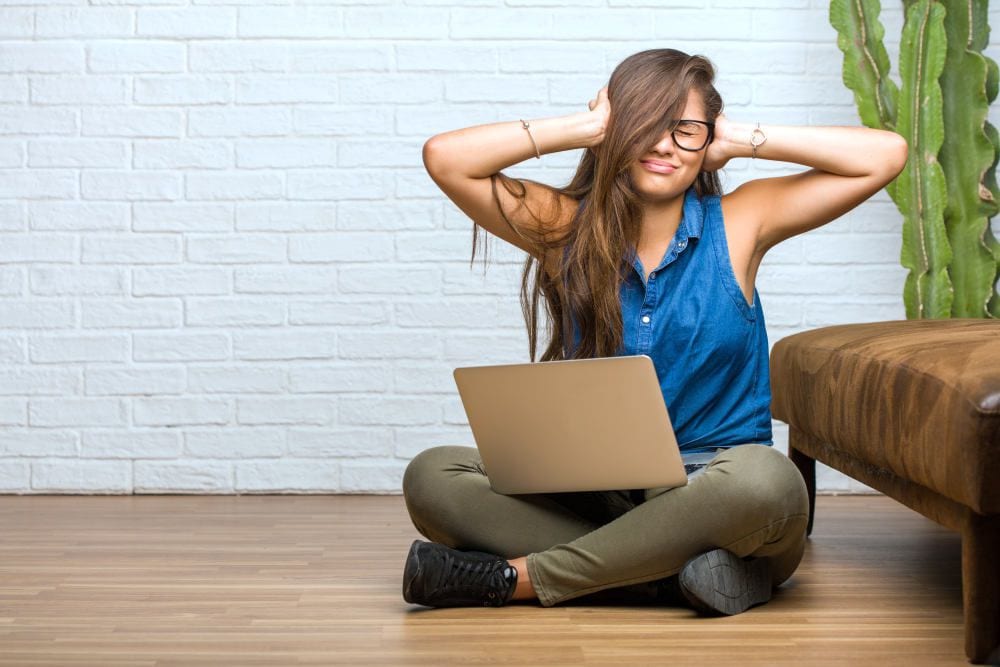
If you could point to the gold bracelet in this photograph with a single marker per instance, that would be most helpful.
(757, 132)
(524, 124)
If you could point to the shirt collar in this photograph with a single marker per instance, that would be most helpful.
(693, 216)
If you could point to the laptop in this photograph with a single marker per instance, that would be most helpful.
(574, 425)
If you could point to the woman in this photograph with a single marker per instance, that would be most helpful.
(642, 254)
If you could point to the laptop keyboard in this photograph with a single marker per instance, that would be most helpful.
(696, 462)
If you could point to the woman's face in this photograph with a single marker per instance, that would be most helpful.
(679, 167)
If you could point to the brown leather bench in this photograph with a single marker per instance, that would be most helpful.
(912, 409)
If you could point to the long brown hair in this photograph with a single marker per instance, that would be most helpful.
(646, 91)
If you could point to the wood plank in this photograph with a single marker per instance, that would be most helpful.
(266, 580)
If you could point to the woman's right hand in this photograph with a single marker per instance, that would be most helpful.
(600, 109)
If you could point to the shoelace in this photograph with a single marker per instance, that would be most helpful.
(481, 578)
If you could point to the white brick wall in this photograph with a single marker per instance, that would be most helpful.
(223, 268)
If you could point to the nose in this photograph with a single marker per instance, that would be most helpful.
(665, 145)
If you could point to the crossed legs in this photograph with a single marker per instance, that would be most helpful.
(750, 500)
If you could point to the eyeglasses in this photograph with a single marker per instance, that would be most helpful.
(692, 135)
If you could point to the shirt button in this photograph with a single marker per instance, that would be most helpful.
(652, 274)
(645, 318)
(682, 244)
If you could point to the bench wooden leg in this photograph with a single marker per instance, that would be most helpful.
(981, 588)
(806, 466)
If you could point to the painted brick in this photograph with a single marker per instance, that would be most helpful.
(12, 281)
(211, 186)
(38, 248)
(82, 22)
(290, 410)
(138, 444)
(183, 154)
(285, 280)
(225, 312)
(147, 55)
(130, 185)
(238, 122)
(37, 443)
(225, 269)
(16, 22)
(145, 123)
(15, 476)
(234, 443)
(389, 344)
(285, 89)
(236, 380)
(376, 477)
(176, 281)
(49, 122)
(181, 411)
(81, 476)
(187, 23)
(63, 348)
(41, 381)
(285, 217)
(76, 90)
(77, 280)
(257, 153)
(341, 247)
(229, 249)
(286, 476)
(293, 22)
(346, 313)
(325, 444)
(339, 184)
(133, 381)
(238, 57)
(12, 214)
(392, 279)
(78, 216)
(40, 58)
(13, 412)
(138, 314)
(85, 153)
(285, 345)
(390, 410)
(180, 346)
(339, 377)
(193, 476)
(69, 412)
(12, 349)
(182, 89)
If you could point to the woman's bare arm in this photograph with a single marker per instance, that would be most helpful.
(461, 162)
(848, 165)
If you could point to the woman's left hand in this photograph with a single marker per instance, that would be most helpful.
(717, 154)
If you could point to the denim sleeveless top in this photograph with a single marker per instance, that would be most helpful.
(708, 345)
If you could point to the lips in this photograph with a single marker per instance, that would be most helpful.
(659, 166)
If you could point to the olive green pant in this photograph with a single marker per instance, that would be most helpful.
(750, 499)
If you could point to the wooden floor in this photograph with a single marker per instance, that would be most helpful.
(289, 580)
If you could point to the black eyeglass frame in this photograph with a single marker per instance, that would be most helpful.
(708, 138)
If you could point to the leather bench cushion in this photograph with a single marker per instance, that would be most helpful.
(920, 398)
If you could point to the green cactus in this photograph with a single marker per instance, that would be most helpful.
(947, 192)
(921, 191)
(866, 62)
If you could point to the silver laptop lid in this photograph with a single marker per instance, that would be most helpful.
(571, 425)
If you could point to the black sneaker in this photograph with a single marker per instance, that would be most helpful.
(720, 582)
(439, 576)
